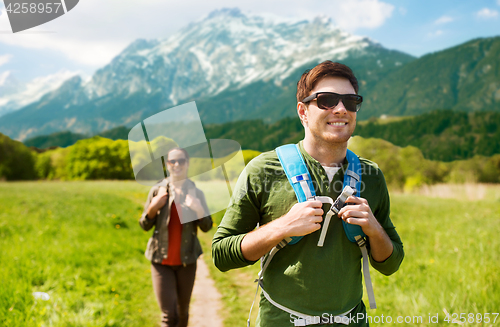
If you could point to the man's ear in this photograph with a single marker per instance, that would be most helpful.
(302, 112)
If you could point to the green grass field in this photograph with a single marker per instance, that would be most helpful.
(80, 243)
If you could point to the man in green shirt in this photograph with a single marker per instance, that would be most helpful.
(316, 281)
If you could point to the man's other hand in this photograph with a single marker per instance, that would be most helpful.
(358, 212)
(302, 219)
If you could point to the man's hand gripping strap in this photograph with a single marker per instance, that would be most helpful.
(297, 174)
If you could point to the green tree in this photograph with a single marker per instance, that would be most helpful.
(17, 162)
(99, 158)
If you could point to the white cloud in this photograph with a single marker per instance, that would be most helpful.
(95, 31)
(3, 77)
(5, 59)
(435, 33)
(32, 91)
(487, 13)
(444, 20)
(498, 2)
(68, 35)
(352, 15)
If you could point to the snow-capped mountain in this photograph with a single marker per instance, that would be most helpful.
(9, 83)
(235, 66)
(225, 50)
(15, 94)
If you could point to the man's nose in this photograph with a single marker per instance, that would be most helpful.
(340, 108)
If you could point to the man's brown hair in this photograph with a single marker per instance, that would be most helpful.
(311, 77)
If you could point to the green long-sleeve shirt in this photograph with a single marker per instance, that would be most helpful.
(304, 277)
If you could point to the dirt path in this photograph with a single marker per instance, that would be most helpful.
(206, 301)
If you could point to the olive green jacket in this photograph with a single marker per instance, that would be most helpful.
(157, 248)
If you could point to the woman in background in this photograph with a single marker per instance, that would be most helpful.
(174, 247)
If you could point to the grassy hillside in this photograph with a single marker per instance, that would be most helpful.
(61, 139)
(66, 138)
(257, 135)
(462, 78)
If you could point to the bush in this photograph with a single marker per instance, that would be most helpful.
(17, 162)
(406, 168)
(99, 158)
(403, 168)
(479, 169)
(43, 165)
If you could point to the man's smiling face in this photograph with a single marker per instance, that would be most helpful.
(329, 126)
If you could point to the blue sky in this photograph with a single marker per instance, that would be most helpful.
(90, 35)
(421, 27)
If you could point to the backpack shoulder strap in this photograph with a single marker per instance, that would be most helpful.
(354, 233)
(296, 170)
(298, 175)
(352, 177)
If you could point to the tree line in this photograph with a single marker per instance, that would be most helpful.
(442, 135)
(101, 158)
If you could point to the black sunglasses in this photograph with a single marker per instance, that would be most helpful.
(180, 161)
(329, 100)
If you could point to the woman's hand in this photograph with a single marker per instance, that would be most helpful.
(157, 202)
(194, 204)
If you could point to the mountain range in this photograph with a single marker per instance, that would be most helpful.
(242, 67)
(15, 94)
(461, 78)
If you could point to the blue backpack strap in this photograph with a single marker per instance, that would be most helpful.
(352, 177)
(297, 173)
(354, 233)
(296, 170)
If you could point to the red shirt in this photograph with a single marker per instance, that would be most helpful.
(174, 238)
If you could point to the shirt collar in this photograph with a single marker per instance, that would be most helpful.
(313, 162)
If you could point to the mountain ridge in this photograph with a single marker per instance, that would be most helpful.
(220, 67)
(462, 78)
(210, 61)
